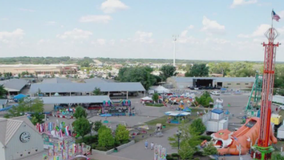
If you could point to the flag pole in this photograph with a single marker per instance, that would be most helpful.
(272, 19)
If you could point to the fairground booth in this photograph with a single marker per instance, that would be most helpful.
(176, 117)
(117, 108)
(146, 100)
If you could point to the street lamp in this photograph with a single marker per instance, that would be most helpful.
(91, 127)
(178, 133)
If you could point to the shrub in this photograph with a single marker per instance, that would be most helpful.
(94, 145)
(175, 155)
(208, 138)
(154, 104)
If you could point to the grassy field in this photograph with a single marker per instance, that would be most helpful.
(163, 120)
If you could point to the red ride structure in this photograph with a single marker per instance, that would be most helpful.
(264, 148)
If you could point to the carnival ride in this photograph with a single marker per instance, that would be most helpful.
(240, 141)
(254, 102)
(117, 108)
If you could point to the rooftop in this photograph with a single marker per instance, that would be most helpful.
(95, 80)
(220, 79)
(10, 126)
(74, 99)
(14, 85)
(86, 87)
(56, 80)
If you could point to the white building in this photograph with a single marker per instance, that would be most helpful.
(19, 138)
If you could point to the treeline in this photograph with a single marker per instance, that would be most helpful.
(37, 60)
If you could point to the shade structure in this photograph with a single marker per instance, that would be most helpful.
(177, 113)
(161, 89)
(56, 94)
(19, 96)
(146, 98)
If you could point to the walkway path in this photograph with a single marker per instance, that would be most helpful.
(137, 151)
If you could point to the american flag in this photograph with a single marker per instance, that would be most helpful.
(275, 16)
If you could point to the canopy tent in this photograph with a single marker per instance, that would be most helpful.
(147, 99)
(161, 89)
(177, 113)
(56, 94)
(19, 96)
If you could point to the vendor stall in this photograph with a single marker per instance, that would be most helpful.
(146, 100)
(176, 116)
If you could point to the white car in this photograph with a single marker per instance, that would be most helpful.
(11, 101)
(215, 93)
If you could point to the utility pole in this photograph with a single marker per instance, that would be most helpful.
(175, 37)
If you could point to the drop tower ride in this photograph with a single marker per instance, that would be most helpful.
(264, 149)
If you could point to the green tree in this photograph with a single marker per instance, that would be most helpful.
(241, 69)
(121, 134)
(155, 97)
(105, 138)
(197, 127)
(198, 70)
(82, 126)
(97, 91)
(186, 151)
(137, 74)
(219, 68)
(210, 149)
(37, 118)
(204, 99)
(98, 125)
(3, 92)
(80, 112)
(92, 76)
(167, 71)
(26, 105)
(85, 62)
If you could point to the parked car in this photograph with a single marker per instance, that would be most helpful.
(215, 93)
(281, 107)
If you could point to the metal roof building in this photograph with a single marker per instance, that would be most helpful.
(229, 82)
(95, 80)
(74, 99)
(56, 80)
(86, 87)
(14, 85)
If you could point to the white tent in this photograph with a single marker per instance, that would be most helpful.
(161, 89)
(146, 99)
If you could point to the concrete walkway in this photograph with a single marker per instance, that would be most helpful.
(137, 151)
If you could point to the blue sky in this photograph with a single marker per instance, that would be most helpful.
(208, 30)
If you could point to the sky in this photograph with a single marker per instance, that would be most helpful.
(206, 29)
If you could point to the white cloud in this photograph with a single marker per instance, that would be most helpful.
(111, 6)
(260, 31)
(212, 27)
(144, 37)
(96, 18)
(101, 41)
(242, 2)
(191, 27)
(75, 34)
(16, 34)
(27, 10)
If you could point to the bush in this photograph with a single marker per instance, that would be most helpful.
(208, 138)
(154, 104)
(94, 145)
(175, 155)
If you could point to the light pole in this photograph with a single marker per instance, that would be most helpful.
(178, 133)
(175, 37)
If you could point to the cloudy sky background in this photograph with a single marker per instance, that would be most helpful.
(208, 30)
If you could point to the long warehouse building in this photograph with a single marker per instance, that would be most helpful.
(226, 82)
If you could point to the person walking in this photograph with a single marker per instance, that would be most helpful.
(152, 146)
(146, 144)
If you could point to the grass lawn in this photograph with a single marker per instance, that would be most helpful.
(163, 121)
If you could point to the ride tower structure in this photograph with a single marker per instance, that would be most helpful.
(263, 149)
